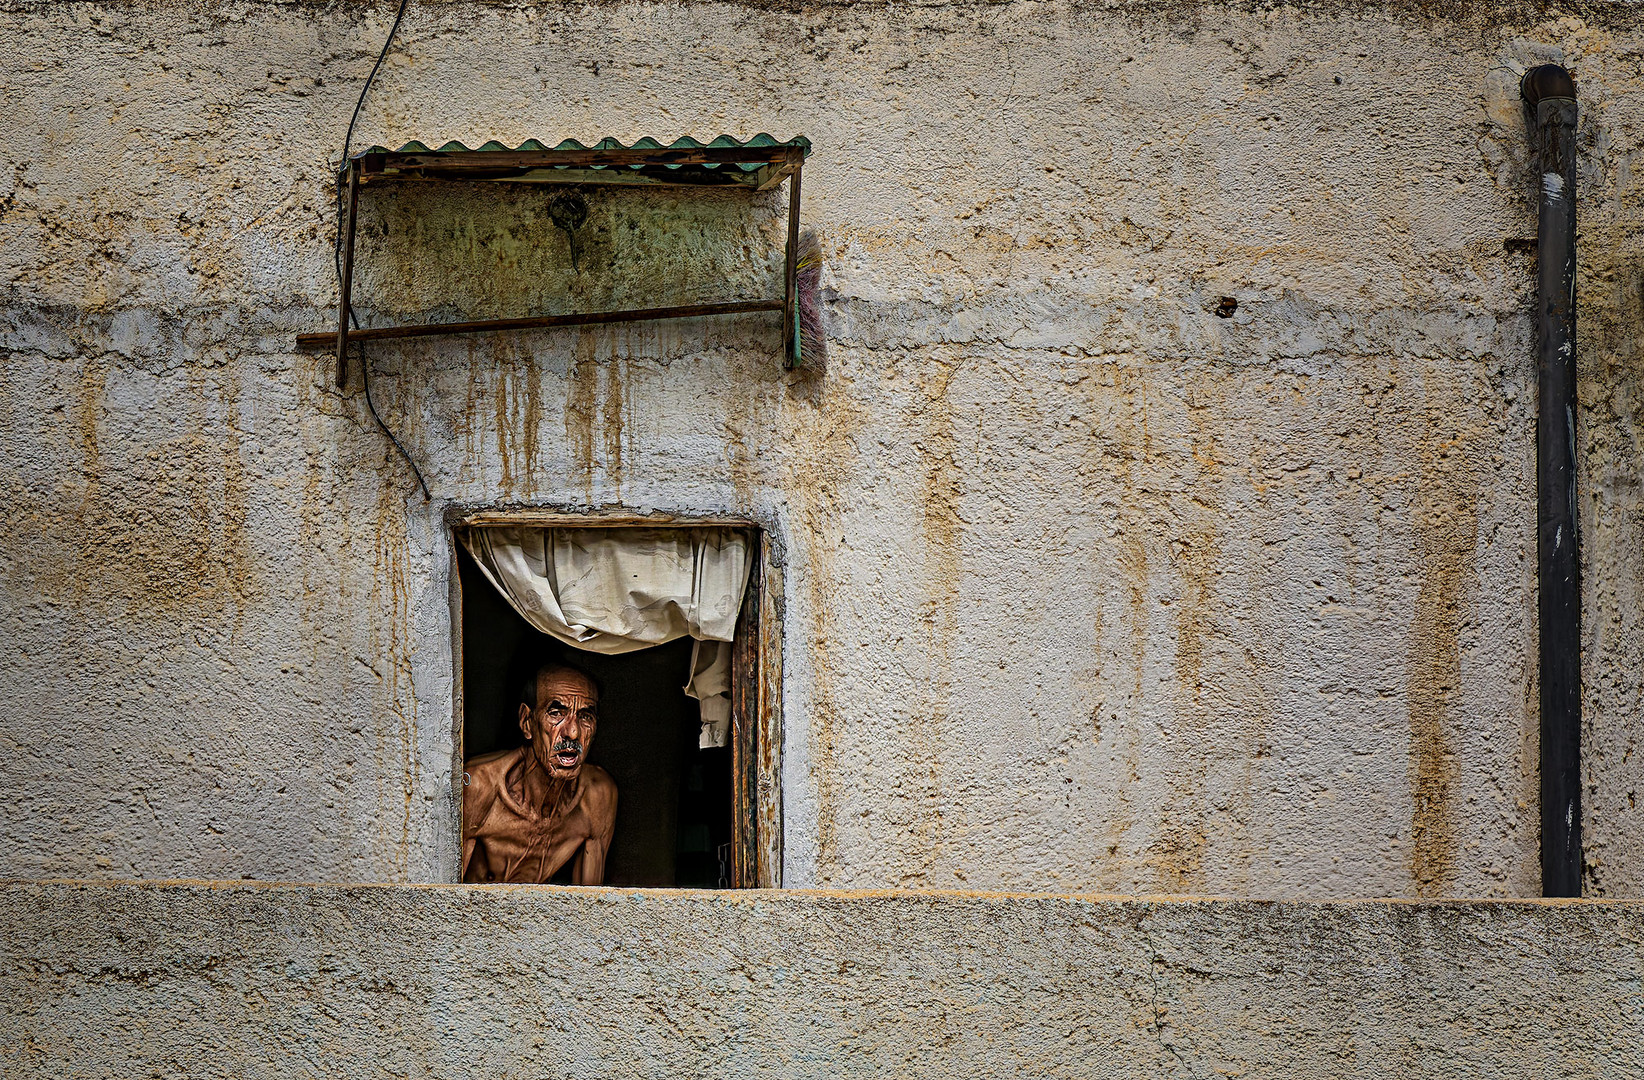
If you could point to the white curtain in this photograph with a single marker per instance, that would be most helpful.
(615, 590)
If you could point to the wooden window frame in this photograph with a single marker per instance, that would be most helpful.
(756, 679)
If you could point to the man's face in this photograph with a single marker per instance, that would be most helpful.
(561, 728)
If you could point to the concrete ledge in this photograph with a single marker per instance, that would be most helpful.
(207, 979)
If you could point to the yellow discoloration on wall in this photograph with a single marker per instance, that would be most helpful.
(581, 410)
(181, 544)
(942, 533)
(1446, 519)
(394, 703)
(502, 425)
(820, 522)
(92, 382)
(611, 415)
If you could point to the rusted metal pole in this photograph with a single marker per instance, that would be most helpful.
(346, 288)
(542, 322)
(1550, 106)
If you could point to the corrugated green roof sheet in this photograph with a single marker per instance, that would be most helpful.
(647, 143)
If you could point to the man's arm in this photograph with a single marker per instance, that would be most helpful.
(589, 867)
(476, 805)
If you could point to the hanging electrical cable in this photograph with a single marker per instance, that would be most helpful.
(348, 139)
(336, 248)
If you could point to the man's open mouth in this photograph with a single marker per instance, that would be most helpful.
(567, 758)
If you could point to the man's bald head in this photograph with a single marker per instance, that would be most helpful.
(558, 716)
(558, 673)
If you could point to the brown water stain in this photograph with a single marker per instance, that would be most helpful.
(612, 416)
(1118, 440)
(942, 490)
(516, 413)
(1196, 553)
(1446, 521)
(530, 420)
(502, 420)
(465, 423)
(326, 590)
(234, 506)
(1196, 558)
(741, 460)
(1210, 716)
(394, 694)
(322, 585)
(93, 381)
(158, 529)
(817, 477)
(1176, 858)
(581, 408)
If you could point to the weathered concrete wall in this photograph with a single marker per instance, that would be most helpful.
(1087, 587)
(295, 981)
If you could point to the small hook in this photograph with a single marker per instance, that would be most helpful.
(568, 211)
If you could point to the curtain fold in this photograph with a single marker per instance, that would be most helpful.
(617, 590)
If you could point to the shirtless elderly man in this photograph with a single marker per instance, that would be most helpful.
(529, 811)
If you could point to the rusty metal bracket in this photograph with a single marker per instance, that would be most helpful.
(345, 293)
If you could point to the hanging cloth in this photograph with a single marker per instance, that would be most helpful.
(617, 590)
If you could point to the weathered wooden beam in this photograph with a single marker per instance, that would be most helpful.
(745, 695)
(770, 176)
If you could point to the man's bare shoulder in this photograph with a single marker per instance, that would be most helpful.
(598, 789)
(487, 770)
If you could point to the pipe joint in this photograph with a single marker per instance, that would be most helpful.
(1546, 82)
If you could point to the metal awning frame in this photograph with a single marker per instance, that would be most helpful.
(678, 166)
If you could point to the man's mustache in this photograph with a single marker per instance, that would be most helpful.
(567, 744)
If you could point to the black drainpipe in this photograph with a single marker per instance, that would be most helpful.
(1550, 111)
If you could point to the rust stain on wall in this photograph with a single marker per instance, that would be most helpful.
(1196, 556)
(501, 420)
(465, 424)
(1212, 725)
(235, 503)
(940, 495)
(394, 698)
(530, 421)
(175, 539)
(1177, 858)
(1114, 430)
(1446, 520)
(581, 407)
(93, 377)
(612, 418)
(516, 412)
(816, 478)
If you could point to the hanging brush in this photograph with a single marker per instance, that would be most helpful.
(810, 339)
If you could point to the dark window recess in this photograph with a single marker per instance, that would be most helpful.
(674, 823)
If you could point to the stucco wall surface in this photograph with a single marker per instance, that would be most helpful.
(207, 980)
(1086, 587)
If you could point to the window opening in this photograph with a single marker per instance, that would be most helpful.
(686, 814)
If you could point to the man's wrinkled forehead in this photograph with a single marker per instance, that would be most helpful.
(568, 687)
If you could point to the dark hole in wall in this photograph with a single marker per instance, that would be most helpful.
(673, 800)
